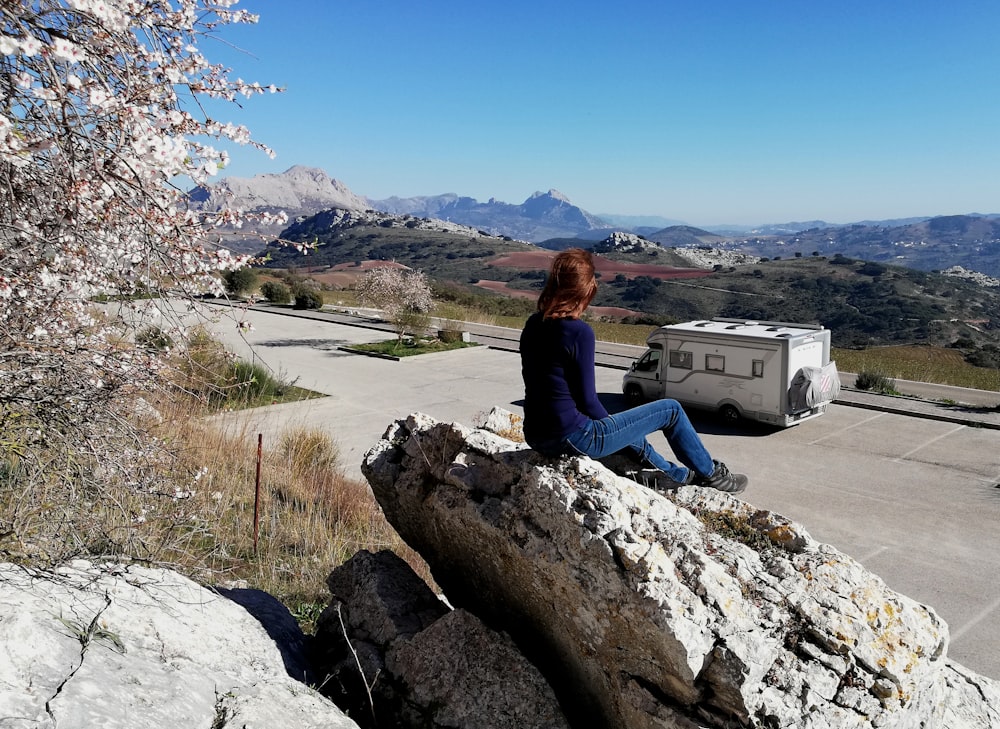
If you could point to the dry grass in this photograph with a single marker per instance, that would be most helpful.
(186, 499)
(939, 365)
(311, 517)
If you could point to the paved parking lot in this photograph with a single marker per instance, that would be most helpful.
(916, 500)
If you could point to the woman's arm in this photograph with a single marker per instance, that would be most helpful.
(581, 374)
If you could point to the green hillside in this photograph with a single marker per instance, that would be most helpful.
(440, 254)
(863, 303)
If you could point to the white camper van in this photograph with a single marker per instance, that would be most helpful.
(775, 372)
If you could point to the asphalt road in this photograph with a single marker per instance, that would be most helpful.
(916, 500)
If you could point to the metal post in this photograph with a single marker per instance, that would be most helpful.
(256, 496)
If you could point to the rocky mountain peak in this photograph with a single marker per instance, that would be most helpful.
(298, 190)
(552, 194)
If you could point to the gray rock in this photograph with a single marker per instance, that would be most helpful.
(128, 647)
(393, 654)
(459, 673)
(649, 611)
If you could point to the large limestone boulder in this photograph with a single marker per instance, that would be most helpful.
(666, 610)
(392, 653)
(131, 648)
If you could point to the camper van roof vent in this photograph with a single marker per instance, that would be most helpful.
(704, 324)
(737, 326)
(784, 334)
(776, 329)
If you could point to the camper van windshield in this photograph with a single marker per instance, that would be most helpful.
(649, 362)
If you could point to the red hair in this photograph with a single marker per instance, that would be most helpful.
(570, 287)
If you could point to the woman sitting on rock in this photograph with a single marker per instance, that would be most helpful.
(562, 415)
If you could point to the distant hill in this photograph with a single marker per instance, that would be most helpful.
(684, 235)
(440, 248)
(863, 303)
(969, 241)
(543, 215)
(638, 223)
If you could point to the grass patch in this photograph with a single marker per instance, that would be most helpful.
(411, 347)
(619, 333)
(735, 527)
(214, 376)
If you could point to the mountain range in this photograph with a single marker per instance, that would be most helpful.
(551, 220)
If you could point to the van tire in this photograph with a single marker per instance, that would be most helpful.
(633, 395)
(730, 414)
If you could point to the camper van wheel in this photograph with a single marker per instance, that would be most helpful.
(633, 395)
(730, 414)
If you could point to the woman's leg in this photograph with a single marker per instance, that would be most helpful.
(628, 429)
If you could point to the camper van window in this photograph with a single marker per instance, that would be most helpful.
(758, 368)
(680, 359)
(715, 363)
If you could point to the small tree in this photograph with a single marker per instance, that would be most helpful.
(404, 297)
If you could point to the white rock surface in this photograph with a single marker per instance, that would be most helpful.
(710, 257)
(131, 648)
(648, 611)
(298, 189)
(980, 278)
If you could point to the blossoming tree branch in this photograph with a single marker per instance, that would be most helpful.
(101, 114)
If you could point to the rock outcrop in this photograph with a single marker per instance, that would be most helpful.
(686, 609)
(980, 278)
(129, 648)
(412, 661)
(626, 243)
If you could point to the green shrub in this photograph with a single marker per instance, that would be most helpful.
(252, 383)
(307, 298)
(240, 281)
(876, 381)
(276, 292)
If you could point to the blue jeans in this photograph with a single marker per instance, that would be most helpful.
(628, 429)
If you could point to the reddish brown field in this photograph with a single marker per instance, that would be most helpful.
(500, 287)
(344, 275)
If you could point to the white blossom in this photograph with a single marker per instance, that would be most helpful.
(399, 293)
(101, 115)
(31, 46)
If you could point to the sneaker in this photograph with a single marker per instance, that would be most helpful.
(654, 478)
(722, 480)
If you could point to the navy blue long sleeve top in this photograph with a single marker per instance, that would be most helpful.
(557, 364)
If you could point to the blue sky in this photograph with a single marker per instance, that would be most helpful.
(706, 111)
